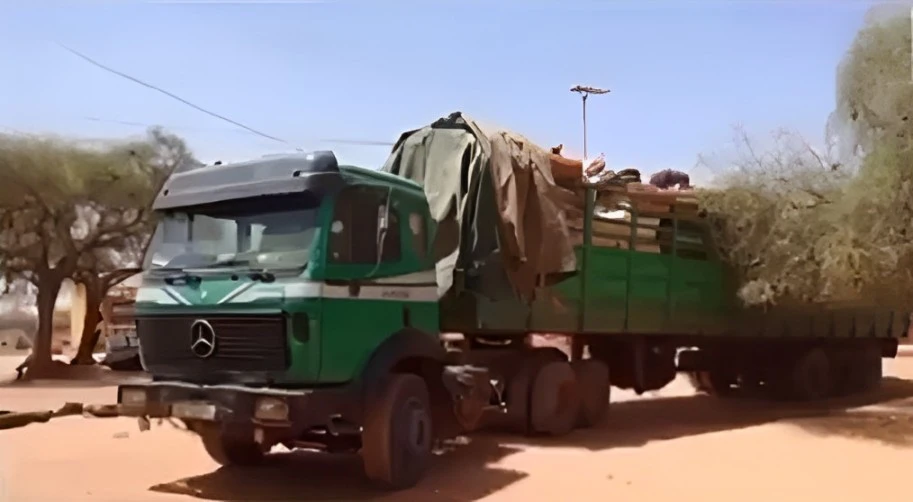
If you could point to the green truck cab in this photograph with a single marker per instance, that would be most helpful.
(292, 300)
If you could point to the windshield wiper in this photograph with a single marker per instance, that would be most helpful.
(232, 262)
(268, 274)
(216, 265)
(184, 277)
(261, 275)
(172, 273)
(164, 270)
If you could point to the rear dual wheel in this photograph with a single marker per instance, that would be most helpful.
(861, 370)
(714, 382)
(553, 397)
(808, 374)
(819, 373)
(520, 388)
(555, 400)
(594, 385)
(812, 376)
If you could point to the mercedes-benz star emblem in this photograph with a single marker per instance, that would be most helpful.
(202, 339)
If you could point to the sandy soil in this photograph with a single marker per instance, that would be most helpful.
(670, 446)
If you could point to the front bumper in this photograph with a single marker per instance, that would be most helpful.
(297, 409)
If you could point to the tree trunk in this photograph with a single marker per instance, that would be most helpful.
(48, 288)
(89, 339)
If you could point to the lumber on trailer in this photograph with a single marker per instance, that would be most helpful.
(633, 213)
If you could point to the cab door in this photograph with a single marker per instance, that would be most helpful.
(364, 251)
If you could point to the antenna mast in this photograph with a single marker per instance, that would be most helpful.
(585, 92)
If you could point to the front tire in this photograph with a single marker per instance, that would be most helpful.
(229, 447)
(398, 433)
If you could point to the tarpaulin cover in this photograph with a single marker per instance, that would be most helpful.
(492, 193)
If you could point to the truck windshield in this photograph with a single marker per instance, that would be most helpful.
(234, 235)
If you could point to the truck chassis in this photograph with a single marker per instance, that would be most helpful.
(499, 381)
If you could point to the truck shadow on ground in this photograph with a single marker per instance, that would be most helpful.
(465, 473)
(638, 422)
(889, 422)
(460, 474)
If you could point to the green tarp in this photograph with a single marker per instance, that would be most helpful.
(492, 193)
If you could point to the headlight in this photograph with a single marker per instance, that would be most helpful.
(271, 408)
(133, 397)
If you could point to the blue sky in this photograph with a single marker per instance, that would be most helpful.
(681, 73)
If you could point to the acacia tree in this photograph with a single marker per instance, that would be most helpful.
(770, 211)
(805, 227)
(100, 269)
(63, 206)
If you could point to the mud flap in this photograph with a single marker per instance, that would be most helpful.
(471, 391)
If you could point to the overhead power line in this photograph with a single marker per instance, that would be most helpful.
(147, 125)
(364, 142)
(360, 142)
(173, 96)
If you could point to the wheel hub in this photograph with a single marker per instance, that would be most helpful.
(418, 428)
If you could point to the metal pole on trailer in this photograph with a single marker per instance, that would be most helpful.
(585, 91)
(577, 345)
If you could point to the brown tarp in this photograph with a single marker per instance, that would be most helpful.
(492, 193)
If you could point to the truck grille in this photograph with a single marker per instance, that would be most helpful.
(242, 343)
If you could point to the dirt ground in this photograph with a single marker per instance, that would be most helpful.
(669, 446)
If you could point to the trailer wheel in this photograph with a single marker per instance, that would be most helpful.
(872, 370)
(555, 403)
(857, 369)
(230, 447)
(698, 381)
(722, 382)
(594, 388)
(812, 376)
(714, 382)
(397, 435)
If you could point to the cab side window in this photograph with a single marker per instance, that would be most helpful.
(354, 236)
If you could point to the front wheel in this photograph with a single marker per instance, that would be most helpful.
(397, 436)
(228, 447)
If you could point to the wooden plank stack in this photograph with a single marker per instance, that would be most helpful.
(619, 195)
(613, 226)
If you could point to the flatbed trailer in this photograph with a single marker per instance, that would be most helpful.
(652, 296)
(292, 300)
